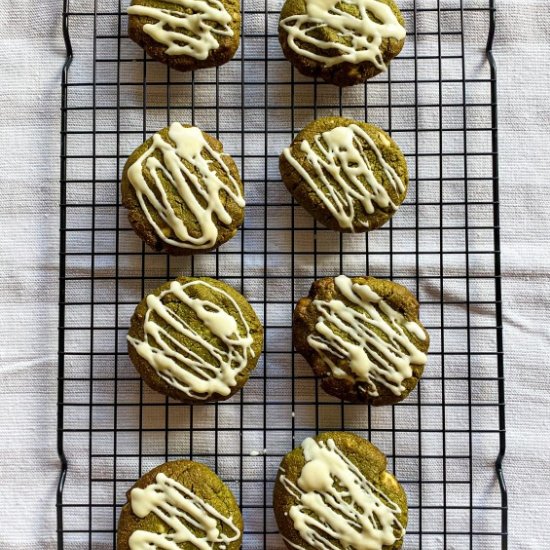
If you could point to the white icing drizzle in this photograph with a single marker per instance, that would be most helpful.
(190, 28)
(344, 173)
(198, 374)
(199, 189)
(338, 507)
(183, 511)
(359, 38)
(374, 340)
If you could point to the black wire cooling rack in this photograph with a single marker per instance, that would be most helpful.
(439, 102)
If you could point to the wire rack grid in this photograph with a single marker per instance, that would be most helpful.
(438, 100)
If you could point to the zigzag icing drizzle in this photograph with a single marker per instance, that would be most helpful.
(336, 502)
(184, 512)
(344, 175)
(188, 29)
(374, 340)
(359, 38)
(209, 368)
(199, 188)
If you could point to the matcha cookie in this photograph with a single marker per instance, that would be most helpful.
(344, 42)
(186, 34)
(195, 339)
(334, 493)
(362, 338)
(349, 175)
(183, 505)
(183, 193)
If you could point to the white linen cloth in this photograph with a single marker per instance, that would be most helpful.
(31, 57)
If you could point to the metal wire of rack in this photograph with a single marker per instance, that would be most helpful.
(438, 100)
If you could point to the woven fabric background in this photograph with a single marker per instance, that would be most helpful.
(31, 57)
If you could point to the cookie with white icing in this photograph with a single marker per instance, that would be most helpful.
(344, 42)
(186, 34)
(349, 175)
(195, 339)
(362, 338)
(334, 493)
(180, 505)
(184, 195)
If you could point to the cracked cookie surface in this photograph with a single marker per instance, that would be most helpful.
(362, 338)
(334, 493)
